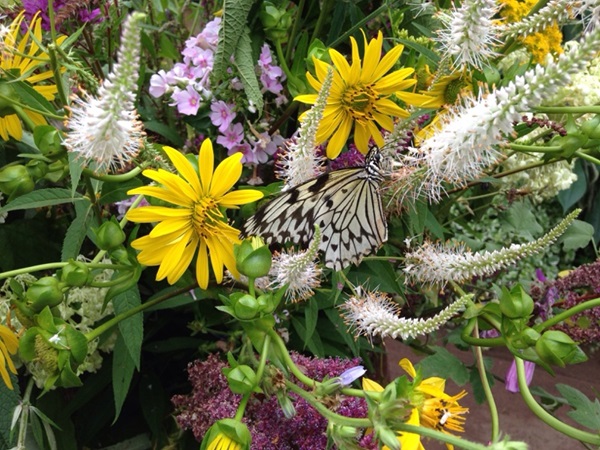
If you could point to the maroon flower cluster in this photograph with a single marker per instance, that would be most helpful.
(211, 400)
(580, 285)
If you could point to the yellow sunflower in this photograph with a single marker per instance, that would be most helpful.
(361, 96)
(8, 346)
(22, 58)
(195, 223)
(432, 407)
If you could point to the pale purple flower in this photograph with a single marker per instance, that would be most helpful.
(209, 37)
(232, 136)
(188, 101)
(245, 149)
(159, 84)
(352, 374)
(266, 145)
(271, 75)
(124, 205)
(512, 382)
(222, 115)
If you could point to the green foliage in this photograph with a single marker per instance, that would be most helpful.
(585, 411)
(444, 364)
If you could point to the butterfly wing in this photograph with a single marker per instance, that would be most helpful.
(346, 206)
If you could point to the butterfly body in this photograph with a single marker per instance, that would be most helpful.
(345, 204)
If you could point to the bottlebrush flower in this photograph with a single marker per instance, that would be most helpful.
(436, 263)
(106, 128)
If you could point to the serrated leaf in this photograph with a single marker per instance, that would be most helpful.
(586, 412)
(244, 64)
(578, 235)
(75, 170)
(132, 328)
(122, 373)
(42, 197)
(77, 230)
(235, 13)
(445, 364)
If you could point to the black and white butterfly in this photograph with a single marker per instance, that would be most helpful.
(345, 204)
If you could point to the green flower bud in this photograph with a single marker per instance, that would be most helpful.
(46, 291)
(571, 143)
(591, 128)
(516, 303)
(246, 307)
(266, 303)
(286, 404)
(556, 347)
(37, 169)
(75, 273)
(388, 437)
(241, 379)
(109, 235)
(276, 21)
(253, 258)
(15, 180)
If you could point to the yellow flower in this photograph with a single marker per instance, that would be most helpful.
(222, 442)
(8, 346)
(22, 59)
(540, 44)
(432, 407)
(361, 96)
(195, 221)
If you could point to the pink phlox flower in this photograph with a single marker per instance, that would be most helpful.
(222, 115)
(188, 101)
(209, 37)
(159, 84)
(271, 75)
(232, 136)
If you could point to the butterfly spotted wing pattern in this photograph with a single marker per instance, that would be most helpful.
(345, 204)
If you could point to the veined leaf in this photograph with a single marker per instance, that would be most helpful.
(244, 63)
(42, 197)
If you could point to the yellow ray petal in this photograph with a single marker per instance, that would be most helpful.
(206, 165)
(183, 166)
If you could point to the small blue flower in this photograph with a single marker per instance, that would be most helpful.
(352, 374)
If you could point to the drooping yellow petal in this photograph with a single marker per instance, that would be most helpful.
(241, 197)
(202, 266)
(148, 214)
(408, 367)
(370, 385)
(372, 55)
(411, 441)
(339, 138)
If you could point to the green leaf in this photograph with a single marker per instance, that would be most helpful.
(75, 169)
(569, 197)
(578, 235)
(445, 364)
(132, 328)
(122, 373)
(244, 63)
(42, 197)
(235, 14)
(314, 344)
(341, 329)
(10, 400)
(586, 412)
(522, 219)
(77, 230)
(311, 315)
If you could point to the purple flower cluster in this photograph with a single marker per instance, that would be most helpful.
(188, 85)
(62, 10)
(212, 400)
(578, 286)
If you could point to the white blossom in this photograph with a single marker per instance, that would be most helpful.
(375, 314)
(106, 128)
(438, 264)
(555, 11)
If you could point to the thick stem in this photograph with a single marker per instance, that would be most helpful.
(486, 387)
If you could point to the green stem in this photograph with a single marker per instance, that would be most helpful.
(114, 178)
(60, 86)
(281, 58)
(288, 360)
(133, 311)
(242, 407)
(93, 199)
(23, 116)
(294, 31)
(536, 148)
(587, 157)
(326, 412)
(566, 314)
(479, 342)
(24, 419)
(568, 109)
(323, 15)
(239, 414)
(38, 268)
(115, 282)
(486, 387)
(546, 417)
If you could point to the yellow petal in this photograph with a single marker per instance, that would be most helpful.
(387, 62)
(174, 226)
(227, 173)
(408, 367)
(4, 373)
(206, 164)
(411, 441)
(162, 194)
(240, 197)
(202, 266)
(9, 338)
(148, 214)
(172, 182)
(340, 63)
(339, 138)
(362, 136)
(370, 385)
(372, 55)
(307, 98)
(413, 99)
(183, 166)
